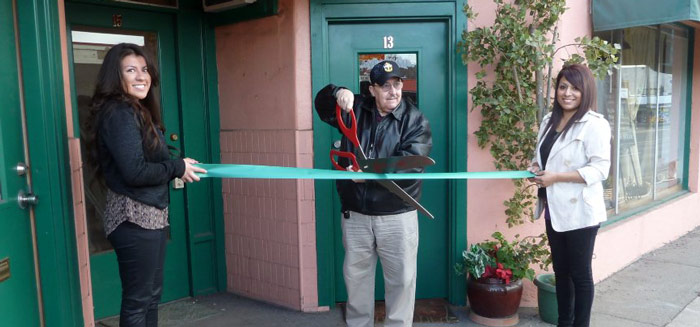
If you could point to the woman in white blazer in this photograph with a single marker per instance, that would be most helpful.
(571, 162)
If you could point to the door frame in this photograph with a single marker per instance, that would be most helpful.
(106, 285)
(198, 104)
(323, 12)
(40, 46)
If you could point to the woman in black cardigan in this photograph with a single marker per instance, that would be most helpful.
(125, 144)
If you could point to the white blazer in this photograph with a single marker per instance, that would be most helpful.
(585, 148)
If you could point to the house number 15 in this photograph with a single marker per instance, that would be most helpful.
(388, 42)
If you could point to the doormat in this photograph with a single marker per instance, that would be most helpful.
(426, 310)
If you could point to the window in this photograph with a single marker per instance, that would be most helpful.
(157, 3)
(645, 101)
(407, 62)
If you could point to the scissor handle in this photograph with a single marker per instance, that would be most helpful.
(344, 154)
(349, 132)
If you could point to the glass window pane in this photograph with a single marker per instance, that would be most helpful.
(158, 3)
(607, 101)
(407, 62)
(637, 137)
(671, 116)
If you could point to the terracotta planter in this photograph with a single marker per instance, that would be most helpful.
(492, 298)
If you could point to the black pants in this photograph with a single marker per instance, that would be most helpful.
(572, 253)
(141, 255)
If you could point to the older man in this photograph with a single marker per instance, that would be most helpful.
(376, 222)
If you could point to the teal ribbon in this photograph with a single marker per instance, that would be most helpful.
(276, 172)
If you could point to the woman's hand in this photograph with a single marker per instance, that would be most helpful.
(534, 168)
(545, 178)
(191, 171)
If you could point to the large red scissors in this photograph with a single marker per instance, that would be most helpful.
(380, 165)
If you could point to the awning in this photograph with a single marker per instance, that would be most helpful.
(617, 14)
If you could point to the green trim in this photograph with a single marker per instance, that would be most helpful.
(43, 84)
(203, 199)
(320, 13)
(323, 189)
(258, 9)
(689, 107)
(458, 189)
(642, 209)
(212, 88)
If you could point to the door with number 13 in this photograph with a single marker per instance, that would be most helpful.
(420, 49)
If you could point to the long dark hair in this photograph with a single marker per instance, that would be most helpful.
(109, 91)
(582, 79)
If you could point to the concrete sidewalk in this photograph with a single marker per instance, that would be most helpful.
(660, 289)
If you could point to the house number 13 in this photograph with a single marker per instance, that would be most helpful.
(388, 42)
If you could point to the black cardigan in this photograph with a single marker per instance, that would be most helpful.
(127, 166)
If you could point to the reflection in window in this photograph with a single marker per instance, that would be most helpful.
(645, 102)
(158, 3)
(406, 61)
(90, 45)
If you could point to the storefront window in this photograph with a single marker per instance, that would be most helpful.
(406, 61)
(645, 102)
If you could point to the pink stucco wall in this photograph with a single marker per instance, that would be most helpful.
(618, 244)
(76, 173)
(265, 104)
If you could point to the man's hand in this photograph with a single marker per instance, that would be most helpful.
(345, 99)
(351, 168)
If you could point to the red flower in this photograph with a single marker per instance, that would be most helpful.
(498, 272)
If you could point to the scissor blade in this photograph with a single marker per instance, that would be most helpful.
(394, 188)
(392, 164)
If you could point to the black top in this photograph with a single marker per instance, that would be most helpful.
(404, 131)
(545, 149)
(128, 167)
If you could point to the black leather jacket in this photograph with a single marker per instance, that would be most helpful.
(405, 131)
(127, 166)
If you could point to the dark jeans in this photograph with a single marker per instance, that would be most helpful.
(141, 255)
(572, 253)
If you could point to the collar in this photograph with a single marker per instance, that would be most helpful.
(589, 114)
(371, 106)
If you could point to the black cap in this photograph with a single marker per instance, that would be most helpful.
(383, 71)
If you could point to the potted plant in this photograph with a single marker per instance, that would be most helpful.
(516, 57)
(547, 298)
(495, 269)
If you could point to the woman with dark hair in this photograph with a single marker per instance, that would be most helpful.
(125, 144)
(571, 162)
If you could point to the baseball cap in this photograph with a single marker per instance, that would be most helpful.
(383, 71)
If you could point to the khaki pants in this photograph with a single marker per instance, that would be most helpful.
(394, 239)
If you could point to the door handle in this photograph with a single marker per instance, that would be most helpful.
(27, 199)
(21, 169)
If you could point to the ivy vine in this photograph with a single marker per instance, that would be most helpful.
(519, 47)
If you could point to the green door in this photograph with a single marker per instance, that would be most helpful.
(420, 48)
(92, 30)
(18, 300)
